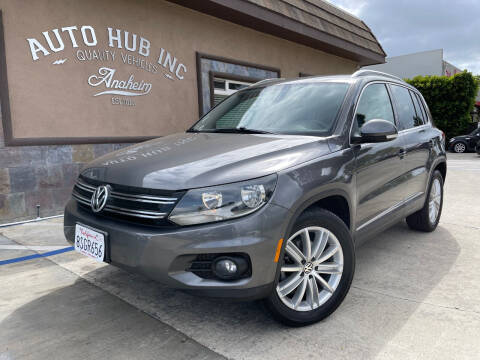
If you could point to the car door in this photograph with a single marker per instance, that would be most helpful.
(417, 137)
(379, 166)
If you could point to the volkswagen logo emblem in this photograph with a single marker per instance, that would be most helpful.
(99, 198)
(308, 268)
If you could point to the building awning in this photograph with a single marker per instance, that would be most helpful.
(314, 23)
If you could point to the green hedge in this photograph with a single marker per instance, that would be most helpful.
(450, 99)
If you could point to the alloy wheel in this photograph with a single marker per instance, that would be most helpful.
(435, 198)
(459, 147)
(312, 269)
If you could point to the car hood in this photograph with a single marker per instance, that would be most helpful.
(461, 137)
(192, 160)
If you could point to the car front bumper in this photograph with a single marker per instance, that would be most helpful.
(164, 255)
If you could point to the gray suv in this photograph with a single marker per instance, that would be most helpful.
(268, 194)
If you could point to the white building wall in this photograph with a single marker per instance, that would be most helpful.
(449, 69)
(411, 65)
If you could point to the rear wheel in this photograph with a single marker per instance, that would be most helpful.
(428, 217)
(459, 147)
(316, 270)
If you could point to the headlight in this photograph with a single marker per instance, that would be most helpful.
(223, 202)
(452, 139)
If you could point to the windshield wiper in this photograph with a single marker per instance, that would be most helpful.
(239, 130)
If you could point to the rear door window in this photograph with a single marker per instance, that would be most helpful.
(406, 111)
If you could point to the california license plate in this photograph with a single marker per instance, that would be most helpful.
(90, 242)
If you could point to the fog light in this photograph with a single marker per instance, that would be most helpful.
(229, 268)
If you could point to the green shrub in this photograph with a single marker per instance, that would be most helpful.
(450, 99)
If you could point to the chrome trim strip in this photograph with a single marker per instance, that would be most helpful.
(390, 209)
(84, 186)
(119, 210)
(80, 199)
(415, 128)
(143, 198)
(153, 214)
(140, 198)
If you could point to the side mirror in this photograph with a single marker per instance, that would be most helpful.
(375, 131)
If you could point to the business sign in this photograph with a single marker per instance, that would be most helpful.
(89, 71)
(121, 48)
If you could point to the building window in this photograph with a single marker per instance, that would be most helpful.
(218, 77)
(225, 87)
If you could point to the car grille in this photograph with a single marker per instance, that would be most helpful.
(129, 203)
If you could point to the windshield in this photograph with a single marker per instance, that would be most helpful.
(301, 108)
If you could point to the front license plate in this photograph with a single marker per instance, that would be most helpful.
(90, 242)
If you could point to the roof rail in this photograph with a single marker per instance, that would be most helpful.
(267, 81)
(374, 73)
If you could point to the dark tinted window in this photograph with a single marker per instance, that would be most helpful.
(406, 112)
(373, 104)
(419, 118)
(422, 107)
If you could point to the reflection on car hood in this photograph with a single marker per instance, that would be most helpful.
(192, 160)
(461, 137)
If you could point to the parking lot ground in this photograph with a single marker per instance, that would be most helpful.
(415, 295)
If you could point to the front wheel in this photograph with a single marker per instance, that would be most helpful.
(459, 147)
(316, 270)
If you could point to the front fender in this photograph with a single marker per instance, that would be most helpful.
(302, 186)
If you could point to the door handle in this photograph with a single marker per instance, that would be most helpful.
(401, 153)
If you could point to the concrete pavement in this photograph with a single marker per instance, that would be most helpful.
(414, 295)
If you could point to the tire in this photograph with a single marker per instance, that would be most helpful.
(422, 220)
(459, 147)
(326, 230)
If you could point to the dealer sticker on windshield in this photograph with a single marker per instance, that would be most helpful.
(90, 242)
